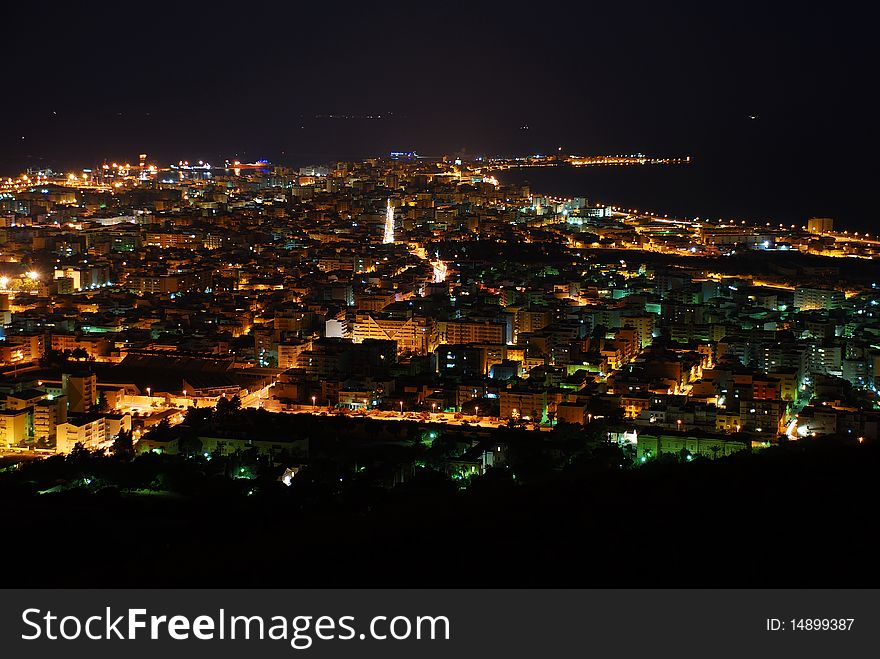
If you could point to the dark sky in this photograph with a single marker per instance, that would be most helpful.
(90, 81)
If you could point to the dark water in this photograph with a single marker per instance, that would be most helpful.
(783, 189)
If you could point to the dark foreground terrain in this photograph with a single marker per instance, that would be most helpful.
(793, 516)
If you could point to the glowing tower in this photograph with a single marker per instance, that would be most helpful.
(389, 224)
(439, 271)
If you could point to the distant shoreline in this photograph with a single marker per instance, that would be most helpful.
(705, 190)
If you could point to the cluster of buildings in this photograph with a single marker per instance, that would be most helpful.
(421, 288)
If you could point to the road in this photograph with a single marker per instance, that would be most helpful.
(447, 418)
(25, 453)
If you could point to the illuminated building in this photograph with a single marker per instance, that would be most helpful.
(413, 334)
(464, 331)
(651, 446)
(81, 391)
(820, 225)
(14, 426)
(89, 431)
(817, 298)
(48, 414)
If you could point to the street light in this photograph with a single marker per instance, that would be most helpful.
(476, 410)
(401, 408)
(433, 408)
(184, 398)
(314, 400)
(149, 395)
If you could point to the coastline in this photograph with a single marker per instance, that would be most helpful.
(701, 189)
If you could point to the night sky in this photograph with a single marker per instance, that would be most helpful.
(95, 81)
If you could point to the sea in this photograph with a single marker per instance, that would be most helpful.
(778, 190)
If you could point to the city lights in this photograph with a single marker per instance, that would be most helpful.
(578, 288)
